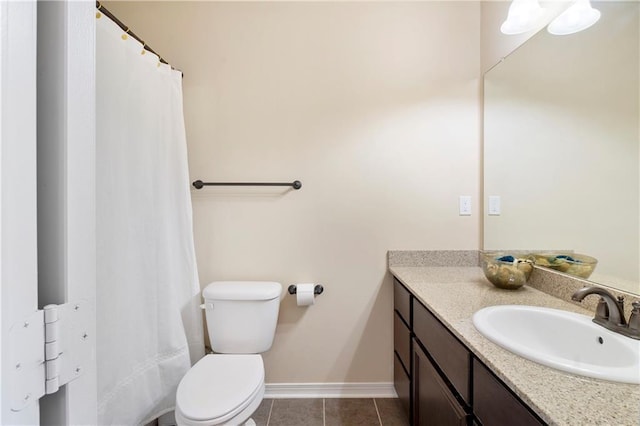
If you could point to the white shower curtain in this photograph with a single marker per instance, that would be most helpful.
(148, 321)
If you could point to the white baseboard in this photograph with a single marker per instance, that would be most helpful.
(330, 390)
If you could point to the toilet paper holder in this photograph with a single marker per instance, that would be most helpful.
(318, 289)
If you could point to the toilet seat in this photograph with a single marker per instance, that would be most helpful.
(219, 387)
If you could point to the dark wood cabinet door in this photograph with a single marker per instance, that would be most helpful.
(433, 402)
(494, 404)
(402, 383)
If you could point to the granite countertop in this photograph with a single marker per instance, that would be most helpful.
(454, 294)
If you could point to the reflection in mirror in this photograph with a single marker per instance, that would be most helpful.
(561, 146)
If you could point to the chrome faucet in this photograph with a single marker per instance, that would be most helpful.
(610, 312)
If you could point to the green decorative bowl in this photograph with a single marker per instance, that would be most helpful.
(506, 271)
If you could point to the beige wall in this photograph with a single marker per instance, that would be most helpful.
(374, 106)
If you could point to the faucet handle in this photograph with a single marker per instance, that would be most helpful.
(634, 319)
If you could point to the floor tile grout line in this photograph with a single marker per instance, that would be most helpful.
(270, 410)
(375, 404)
(324, 421)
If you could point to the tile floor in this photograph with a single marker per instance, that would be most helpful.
(330, 412)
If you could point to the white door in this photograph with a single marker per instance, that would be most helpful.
(18, 221)
(66, 187)
(47, 227)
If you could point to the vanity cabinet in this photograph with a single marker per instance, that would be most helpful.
(439, 381)
(402, 345)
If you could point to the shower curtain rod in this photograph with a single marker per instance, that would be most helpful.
(126, 29)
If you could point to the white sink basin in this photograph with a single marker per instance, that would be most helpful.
(563, 340)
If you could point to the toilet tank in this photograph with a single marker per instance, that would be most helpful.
(241, 315)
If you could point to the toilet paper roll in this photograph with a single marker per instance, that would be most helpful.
(304, 294)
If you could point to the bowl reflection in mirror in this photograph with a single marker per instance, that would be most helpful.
(578, 265)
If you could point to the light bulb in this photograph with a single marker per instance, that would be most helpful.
(579, 16)
(523, 16)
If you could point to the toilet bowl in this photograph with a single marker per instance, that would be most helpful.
(225, 388)
(220, 390)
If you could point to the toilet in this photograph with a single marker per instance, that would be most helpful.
(225, 388)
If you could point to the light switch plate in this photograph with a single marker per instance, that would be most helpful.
(465, 205)
(494, 205)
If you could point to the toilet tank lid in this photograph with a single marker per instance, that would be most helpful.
(242, 290)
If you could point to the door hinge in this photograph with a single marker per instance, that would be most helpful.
(48, 350)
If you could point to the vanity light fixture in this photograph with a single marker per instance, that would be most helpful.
(579, 16)
(523, 16)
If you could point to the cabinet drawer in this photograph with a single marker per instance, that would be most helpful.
(402, 384)
(493, 402)
(402, 301)
(450, 355)
(402, 341)
(434, 404)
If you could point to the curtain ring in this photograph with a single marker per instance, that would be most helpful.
(144, 50)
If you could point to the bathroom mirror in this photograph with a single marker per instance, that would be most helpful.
(561, 146)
